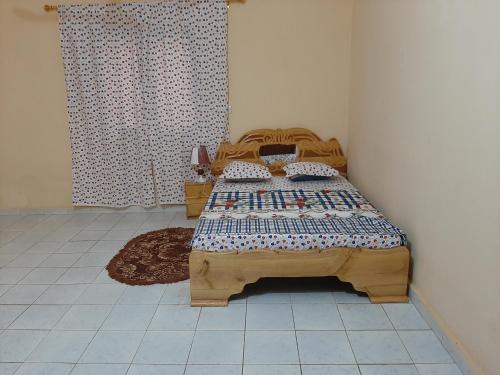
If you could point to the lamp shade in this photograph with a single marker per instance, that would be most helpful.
(199, 156)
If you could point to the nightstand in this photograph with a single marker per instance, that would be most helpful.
(197, 194)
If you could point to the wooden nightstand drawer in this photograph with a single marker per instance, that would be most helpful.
(196, 197)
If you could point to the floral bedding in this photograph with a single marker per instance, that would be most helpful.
(285, 215)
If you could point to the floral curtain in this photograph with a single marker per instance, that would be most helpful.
(145, 83)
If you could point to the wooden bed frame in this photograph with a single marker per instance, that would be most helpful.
(215, 276)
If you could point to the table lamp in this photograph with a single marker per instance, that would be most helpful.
(200, 160)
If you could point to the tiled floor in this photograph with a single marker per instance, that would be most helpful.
(60, 313)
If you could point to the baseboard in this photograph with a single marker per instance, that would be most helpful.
(99, 210)
(450, 341)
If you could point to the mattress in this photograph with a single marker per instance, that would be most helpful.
(283, 215)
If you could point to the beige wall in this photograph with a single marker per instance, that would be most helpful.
(424, 145)
(289, 66)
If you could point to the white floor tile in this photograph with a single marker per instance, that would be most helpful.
(271, 347)
(22, 294)
(7, 220)
(269, 317)
(101, 294)
(271, 370)
(43, 276)
(81, 219)
(105, 221)
(4, 288)
(312, 297)
(27, 222)
(76, 247)
(9, 368)
(388, 370)
(83, 275)
(100, 369)
(129, 318)
(162, 218)
(271, 297)
(346, 297)
(89, 235)
(61, 294)
(119, 235)
(28, 260)
(378, 347)
(156, 370)
(104, 278)
(438, 369)
(106, 246)
(364, 317)
(13, 275)
(9, 313)
(60, 260)
(142, 295)
(405, 316)
(84, 317)
(176, 294)
(94, 259)
(324, 347)
(61, 234)
(44, 369)
(112, 347)
(213, 369)
(7, 258)
(7, 236)
(424, 347)
(40, 317)
(57, 263)
(180, 220)
(317, 316)
(217, 348)
(45, 247)
(150, 227)
(231, 317)
(175, 317)
(16, 346)
(164, 347)
(53, 222)
(131, 221)
(62, 346)
(28, 238)
(330, 370)
(16, 246)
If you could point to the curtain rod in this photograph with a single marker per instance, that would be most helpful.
(50, 8)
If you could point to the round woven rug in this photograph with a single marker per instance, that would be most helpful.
(158, 257)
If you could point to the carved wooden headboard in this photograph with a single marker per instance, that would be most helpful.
(310, 148)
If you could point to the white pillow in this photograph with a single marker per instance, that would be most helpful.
(242, 171)
(302, 171)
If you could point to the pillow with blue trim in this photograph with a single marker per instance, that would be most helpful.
(309, 171)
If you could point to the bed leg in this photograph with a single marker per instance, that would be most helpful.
(388, 293)
(209, 298)
(213, 280)
(208, 302)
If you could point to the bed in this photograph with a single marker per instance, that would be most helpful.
(280, 228)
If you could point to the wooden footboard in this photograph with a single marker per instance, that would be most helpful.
(382, 274)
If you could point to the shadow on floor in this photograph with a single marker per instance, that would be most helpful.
(297, 285)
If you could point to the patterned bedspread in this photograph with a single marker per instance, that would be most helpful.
(285, 215)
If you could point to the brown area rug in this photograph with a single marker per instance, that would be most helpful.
(158, 257)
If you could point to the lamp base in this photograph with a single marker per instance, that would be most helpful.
(201, 176)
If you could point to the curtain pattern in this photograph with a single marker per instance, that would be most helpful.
(145, 83)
